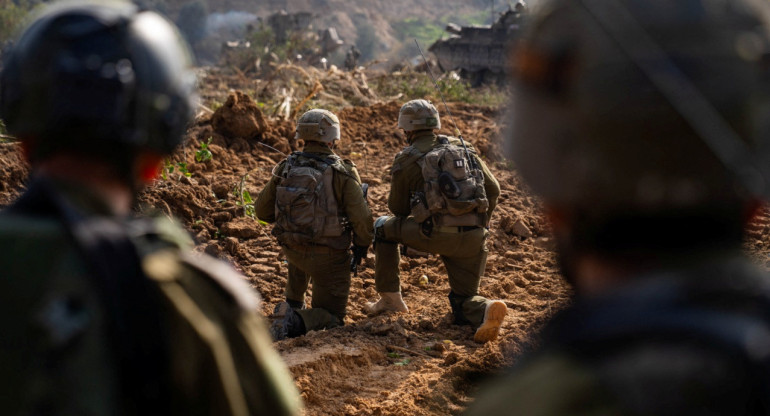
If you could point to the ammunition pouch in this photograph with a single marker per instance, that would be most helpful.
(419, 207)
(470, 219)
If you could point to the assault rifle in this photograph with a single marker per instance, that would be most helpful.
(359, 252)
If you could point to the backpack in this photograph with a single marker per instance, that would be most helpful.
(454, 191)
(306, 208)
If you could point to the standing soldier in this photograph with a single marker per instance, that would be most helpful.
(644, 127)
(315, 199)
(443, 195)
(104, 314)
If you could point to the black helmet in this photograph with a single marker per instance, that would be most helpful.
(623, 105)
(85, 75)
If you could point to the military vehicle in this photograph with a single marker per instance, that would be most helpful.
(479, 53)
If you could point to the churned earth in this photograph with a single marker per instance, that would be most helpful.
(415, 363)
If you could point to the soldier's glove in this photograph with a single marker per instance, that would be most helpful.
(359, 252)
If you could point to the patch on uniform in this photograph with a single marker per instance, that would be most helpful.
(459, 163)
(230, 280)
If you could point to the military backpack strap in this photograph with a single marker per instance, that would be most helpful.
(406, 157)
(129, 297)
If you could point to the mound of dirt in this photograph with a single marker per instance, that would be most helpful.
(13, 171)
(238, 117)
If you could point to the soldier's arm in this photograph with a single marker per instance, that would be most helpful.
(264, 206)
(401, 185)
(354, 204)
(491, 187)
(222, 360)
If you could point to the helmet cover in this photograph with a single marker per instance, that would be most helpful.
(318, 125)
(418, 115)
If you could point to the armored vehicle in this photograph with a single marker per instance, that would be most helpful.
(479, 52)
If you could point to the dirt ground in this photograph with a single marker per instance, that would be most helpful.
(396, 364)
(416, 363)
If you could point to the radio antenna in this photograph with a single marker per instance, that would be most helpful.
(441, 95)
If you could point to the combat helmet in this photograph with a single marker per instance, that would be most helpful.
(643, 105)
(318, 125)
(97, 76)
(418, 115)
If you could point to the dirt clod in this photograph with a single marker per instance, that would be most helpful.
(239, 117)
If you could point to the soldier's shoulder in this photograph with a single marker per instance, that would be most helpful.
(407, 154)
(459, 142)
(166, 251)
(350, 168)
(158, 231)
(200, 275)
(232, 283)
(349, 164)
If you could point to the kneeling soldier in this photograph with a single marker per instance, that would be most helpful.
(315, 200)
(443, 196)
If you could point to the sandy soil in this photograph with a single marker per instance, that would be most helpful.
(393, 364)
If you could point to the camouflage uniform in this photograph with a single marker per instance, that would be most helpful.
(218, 357)
(462, 249)
(328, 267)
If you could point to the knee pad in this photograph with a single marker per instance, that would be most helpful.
(379, 229)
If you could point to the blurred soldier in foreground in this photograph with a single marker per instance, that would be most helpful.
(443, 195)
(104, 314)
(644, 127)
(315, 199)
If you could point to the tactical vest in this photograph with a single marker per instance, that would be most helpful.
(454, 190)
(306, 208)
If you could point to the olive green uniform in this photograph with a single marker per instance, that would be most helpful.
(57, 354)
(462, 249)
(329, 268)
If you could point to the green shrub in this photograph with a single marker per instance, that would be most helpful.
(413, 85)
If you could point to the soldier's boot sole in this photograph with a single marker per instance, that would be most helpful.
(494, 316)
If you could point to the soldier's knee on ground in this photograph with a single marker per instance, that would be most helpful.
(456, 303)
(287, 323)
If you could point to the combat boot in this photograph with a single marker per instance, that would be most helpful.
(494, 315)
(286, 322)
(389, 301)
